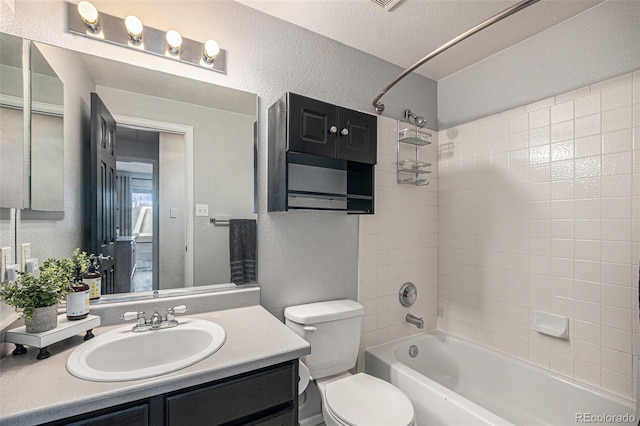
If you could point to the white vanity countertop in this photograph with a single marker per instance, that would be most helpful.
(34, 392)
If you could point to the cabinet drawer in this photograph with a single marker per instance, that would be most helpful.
(232, 400)
(284, 417)
(134, 416)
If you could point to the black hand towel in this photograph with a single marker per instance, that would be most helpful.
(242, 250)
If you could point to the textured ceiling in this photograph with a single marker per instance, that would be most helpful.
(414, 28)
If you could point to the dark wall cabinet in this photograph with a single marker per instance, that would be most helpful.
(321, 156)
(264, 397)
(319, 128)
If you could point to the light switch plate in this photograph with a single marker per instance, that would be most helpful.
(25, 253)
(173, 213)
(202, 209)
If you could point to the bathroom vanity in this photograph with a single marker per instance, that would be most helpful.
(251, 379)
(266, 396)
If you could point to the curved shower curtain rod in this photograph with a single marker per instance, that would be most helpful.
(490, 21)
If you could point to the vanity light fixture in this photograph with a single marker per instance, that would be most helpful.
(89, 15)
(128, 32)
(174, 41)
(134, 28)
(211, 50)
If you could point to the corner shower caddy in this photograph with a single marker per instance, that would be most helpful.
(412, 171)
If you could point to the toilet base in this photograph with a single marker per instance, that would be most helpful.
(312, 421)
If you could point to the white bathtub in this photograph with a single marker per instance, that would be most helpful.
(452, 381)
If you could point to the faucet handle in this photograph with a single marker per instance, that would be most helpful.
(175, 310)
(180, 309)
(128, 316)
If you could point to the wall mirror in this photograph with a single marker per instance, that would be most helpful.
(185, 168)
(14, 127)
(32, 143)
(46, 135)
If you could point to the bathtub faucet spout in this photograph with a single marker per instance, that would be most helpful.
(412, 319)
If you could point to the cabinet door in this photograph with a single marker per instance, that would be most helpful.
(312, 126)
(357, 136)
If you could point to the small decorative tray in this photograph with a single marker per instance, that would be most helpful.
(64, 330)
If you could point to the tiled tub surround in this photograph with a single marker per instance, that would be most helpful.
(398, 244)
(539, 208)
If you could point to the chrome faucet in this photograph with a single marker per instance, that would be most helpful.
(156, 319)
(156, 322)
(412, 319)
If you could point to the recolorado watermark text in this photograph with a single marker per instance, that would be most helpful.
(605, 418)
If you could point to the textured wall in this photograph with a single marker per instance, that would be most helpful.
(399, 243)
(303, 256)
(540, 209)
(597, 44)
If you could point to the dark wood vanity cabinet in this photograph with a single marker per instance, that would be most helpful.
(268, 396)
(321, 156)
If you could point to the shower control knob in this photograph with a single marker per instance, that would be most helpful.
(333, 130)
(344, 132)
(408, 294)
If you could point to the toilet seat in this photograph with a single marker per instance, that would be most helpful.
(366, 400)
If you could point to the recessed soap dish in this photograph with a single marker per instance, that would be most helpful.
(551, 324)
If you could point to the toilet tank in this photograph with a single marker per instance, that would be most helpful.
(332, 329)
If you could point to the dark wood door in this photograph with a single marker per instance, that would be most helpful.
(313, 126)
(357, 135)
(102, 192)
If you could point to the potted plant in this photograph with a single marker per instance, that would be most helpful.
(81, 260)
(39, 295)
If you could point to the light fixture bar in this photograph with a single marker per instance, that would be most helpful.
(113, 30)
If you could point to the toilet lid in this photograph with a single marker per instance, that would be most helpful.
(365, 400)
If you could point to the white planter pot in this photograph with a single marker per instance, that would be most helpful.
(44, 319)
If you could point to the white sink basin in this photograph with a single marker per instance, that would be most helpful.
(121, 354)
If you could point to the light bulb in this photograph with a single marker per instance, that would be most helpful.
(174, 40)
(134, 27)
(211, 50)
(89, 14)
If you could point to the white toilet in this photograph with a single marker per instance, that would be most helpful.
(333, 330)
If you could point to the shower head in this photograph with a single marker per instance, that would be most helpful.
(420, 122)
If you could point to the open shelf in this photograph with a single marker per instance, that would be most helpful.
(413, 166)
(414, 137)
(411, 171)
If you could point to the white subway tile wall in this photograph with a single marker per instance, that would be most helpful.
(539, 208)
(398, 244)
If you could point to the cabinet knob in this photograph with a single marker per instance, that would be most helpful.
(344, 132)
(333, 130)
